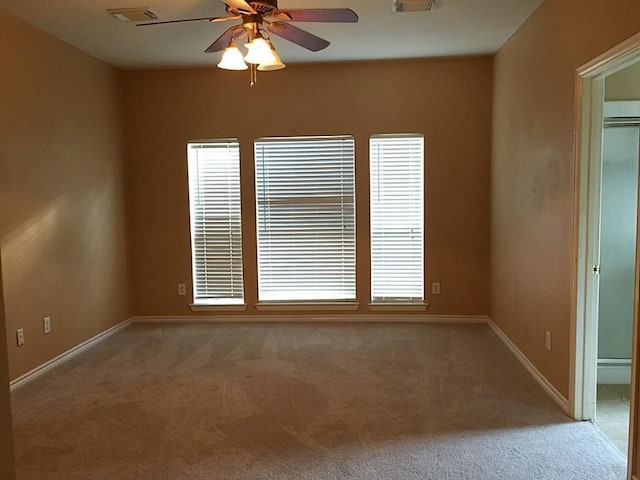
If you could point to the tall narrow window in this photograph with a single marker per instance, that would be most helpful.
(305, 218)
(216, 233)
(397, 205)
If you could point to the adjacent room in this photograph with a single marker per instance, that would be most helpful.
(619, 193)
(338, 242)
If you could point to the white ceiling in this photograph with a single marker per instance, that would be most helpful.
(460, 27)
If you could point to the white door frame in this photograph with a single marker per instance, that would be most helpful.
(588, 247)
(587, 170)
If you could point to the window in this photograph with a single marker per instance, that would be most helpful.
(397, 234)
(305, 218)
(216, 234)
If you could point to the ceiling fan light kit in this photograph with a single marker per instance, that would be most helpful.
(262, 55)
(232, 58)
(275, 64)
(259, 51)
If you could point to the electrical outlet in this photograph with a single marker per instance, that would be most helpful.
(435, 288)
(182, 289)
(20, 336)
(547, 340)
(46, 323)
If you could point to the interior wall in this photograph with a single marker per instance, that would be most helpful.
(449, 100)
(62, 221)
(618, 212)
(533, 180)
(7, 464)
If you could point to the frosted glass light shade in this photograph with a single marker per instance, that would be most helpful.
(276, 64)
(259, 52)
(232, 58)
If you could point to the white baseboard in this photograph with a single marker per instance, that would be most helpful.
(535, 373)
(355, 318)
(307, 318)
(358, 318)
(45, 367)
(614, 371)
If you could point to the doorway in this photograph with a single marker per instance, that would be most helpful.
(606, 246)
(616, 264)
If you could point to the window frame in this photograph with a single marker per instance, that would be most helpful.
(410, 301)
(204, 302)
(269, 301)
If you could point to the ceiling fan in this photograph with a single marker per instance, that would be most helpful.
(259, 19)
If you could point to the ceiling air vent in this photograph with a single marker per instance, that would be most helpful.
(140, 14)
(415, 5)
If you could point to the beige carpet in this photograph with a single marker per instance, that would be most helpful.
(301, 401)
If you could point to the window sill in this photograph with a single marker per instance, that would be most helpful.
(317, 306)
(218, 307)
(399, 306)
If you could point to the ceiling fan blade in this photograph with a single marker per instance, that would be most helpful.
(298, 36)
(239, 5)
(223, 40)
(340, 15)
(225, 19)
(210, 19)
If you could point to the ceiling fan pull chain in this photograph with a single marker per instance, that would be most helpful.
(254, 74)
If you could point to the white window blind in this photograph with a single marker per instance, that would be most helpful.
(305, 218)
(216, 228)
(397, 218)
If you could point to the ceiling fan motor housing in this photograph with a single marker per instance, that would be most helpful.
(264, 6)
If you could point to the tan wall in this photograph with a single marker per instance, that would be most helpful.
(448, 100)
(7, 467)
(61, 194)
(624, 85)
(533, 170)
